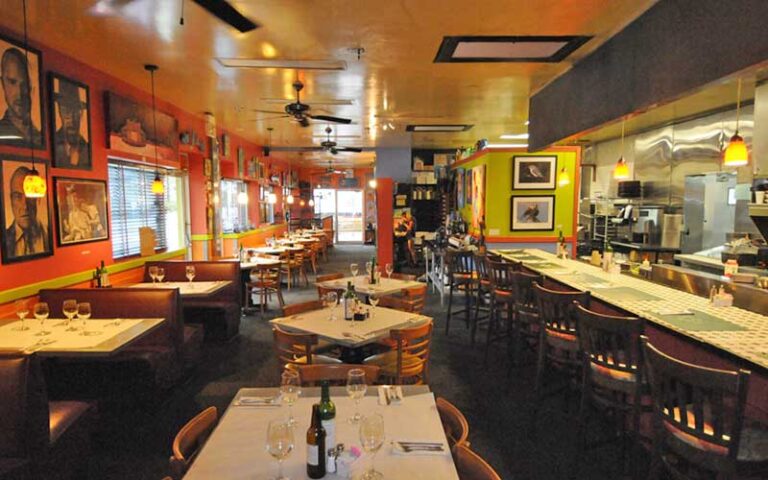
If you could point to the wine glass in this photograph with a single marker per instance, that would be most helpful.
(354, 269)
(22, 310)
(290, 389)
(160, 274)
(83, 314)
(373, 299)
(371, 439)
(153, 273)
(330, 299)
(190, 271)
(389, 268)
(41, 312)
(368, 268)
(356, 388)
(279, 443)
(69, 308)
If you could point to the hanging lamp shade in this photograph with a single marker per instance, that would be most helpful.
(372, 183)
(34, 185)
(302, 203)
(158, 187)
(736, 154)
(311, 203)
(289, 200)
(563, 178)
(621, 171)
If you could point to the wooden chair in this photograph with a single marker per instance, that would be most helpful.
(321, 291)
(395, 303)
(296, 308)
(335, 373)
(502, 300)
(310, 256)
(329, 276)
(700, 429)
(403, 276)
(525, 328)
(190, 440)
(264, 281)
(558, 335)
(294, 349)
(613, 375)
(415, 298)
(461, 277)
(471, 466)
(454, 422)
(409, 359)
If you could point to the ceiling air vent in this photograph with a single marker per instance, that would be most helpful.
(507, 48)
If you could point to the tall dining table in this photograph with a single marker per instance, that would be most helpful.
(236, 450)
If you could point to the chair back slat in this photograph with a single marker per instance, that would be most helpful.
(296, 308)
(500, 274)
(190, 440)
(522, 289)
(460, 262)
(610, 341)
(415, 297)
(481, 265)
(556, 308)
(291, 346)
(415, 343)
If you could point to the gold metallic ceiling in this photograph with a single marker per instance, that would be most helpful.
(394, 83)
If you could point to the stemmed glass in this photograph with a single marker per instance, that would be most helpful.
(160, 274)
(190, 272)
(368, 268)
(83, 314)
(69, 308)
(279, 443)
(153, 273)
(41, 312)
(356, 388)
(373, 299)
(371, 439)
(22, 310)
(330, 299)
(353, 268)
(389, 268)
(290, 389)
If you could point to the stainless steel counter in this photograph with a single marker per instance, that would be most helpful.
(712, 265)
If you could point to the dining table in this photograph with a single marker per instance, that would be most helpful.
(188, 289)
(277, 250)
(102, 337)
(236, 449)
(385, 286)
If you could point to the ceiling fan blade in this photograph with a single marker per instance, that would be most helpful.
(269, 111)
(225, 12)
(265, 119)
(349, 149)
(328, 118)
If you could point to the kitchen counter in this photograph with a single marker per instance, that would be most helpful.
(713, 265)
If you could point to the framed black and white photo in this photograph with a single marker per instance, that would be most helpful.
(70, 123)
(26, 222)
(531, 172)
(81, 211)
(21, 99)
(532, 213)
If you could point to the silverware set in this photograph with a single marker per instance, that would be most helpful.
(409, 447)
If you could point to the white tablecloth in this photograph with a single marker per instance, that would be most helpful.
(387, 286)
(188, 289)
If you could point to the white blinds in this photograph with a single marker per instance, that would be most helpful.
(133, 205)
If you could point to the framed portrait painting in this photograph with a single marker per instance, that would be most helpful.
(26, 222)
(70, 123)
(131, 129)
(531, 172)
(532, 213)
(81, 211)
(240, 162)
(21, 98)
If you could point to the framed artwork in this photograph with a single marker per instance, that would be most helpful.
(532, 213)
(468, 186)
(252, 168)
(207, 168)
(533, 172)
(70, 122)
(130, 129)
(21, 101)
(478, 194)
(81, 211)
(240, 162)
(460, 187)
(26, 222)
(224, 145)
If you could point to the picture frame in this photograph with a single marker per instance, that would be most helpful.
(82, 211)
(207, 168)
(12, 53)
(532, 213)
(224, 145)
(35, 212)
(131, 129)
(240, 162)
(534, 172)
(70, 118)
(460, 187)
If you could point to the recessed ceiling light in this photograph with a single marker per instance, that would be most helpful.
(438, 128)
(533, 48)
(278, 63)
(514, 136)
(506, 145)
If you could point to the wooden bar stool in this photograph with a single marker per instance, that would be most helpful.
(461, 276)
(525, 328)
(502, 301)
(482, 294)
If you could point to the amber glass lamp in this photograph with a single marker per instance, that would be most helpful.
(563, 178)
(736, 154)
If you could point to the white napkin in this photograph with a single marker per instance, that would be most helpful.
(400, 447)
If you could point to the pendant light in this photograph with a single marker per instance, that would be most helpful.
(311, 203)
(289, 199)
(736, 154)
(621, 171)
(563, 178)
(158, 188)
(34, 185)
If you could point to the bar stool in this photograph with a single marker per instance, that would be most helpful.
(613, 376)
(502, 301)
(482, 293)
(525, 328)
(461, 276)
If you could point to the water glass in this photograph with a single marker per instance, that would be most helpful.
(356, 388)
(331, 299)
(373, 299)
(22, 310)
(371, 439)
(389, 269)
(354, 269)
(69, 308)
(190, 272)
(280, 443)
(153, 273)
(290, 389)
(160, 274)
(41, 313)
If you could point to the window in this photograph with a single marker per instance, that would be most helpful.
(133, 205)
(234, 207)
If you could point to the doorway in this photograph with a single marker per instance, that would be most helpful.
(346, 208)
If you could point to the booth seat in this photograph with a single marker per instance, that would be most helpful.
(40, 439)
(220, 313)
(159, 358)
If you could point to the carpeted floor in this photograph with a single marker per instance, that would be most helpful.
(497, 401)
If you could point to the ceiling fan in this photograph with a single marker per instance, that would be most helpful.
(331, 171)
(299, 112)
(329, 145)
